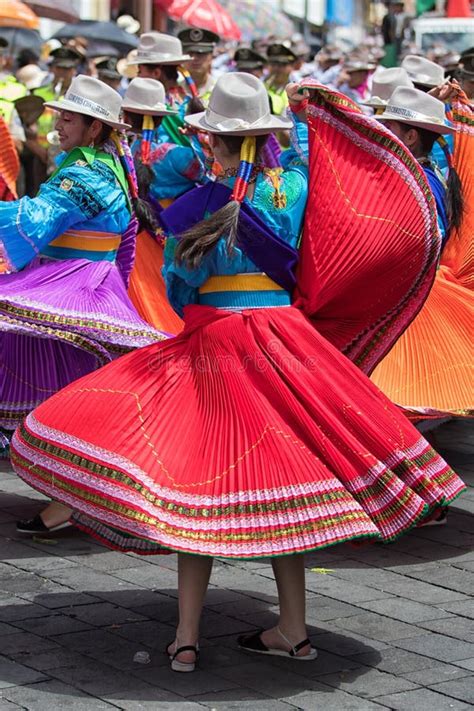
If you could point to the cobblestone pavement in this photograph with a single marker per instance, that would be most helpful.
(393, 624)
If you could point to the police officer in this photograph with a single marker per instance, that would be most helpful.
(281, 60)
(249, 61)
(108, 73)
(200, 45)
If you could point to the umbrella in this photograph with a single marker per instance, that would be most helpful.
(19, 39)
(99, 32)
(259, 18)
(14, 13)
(206, 14)
(54, 9)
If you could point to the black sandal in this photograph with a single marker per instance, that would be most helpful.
(253, 643)
(178, 666)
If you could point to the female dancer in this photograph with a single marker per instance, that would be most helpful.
(249, 434)
(429, 370)
(164, 172)
(64, 259)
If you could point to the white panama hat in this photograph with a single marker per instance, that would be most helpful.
(423, 71)
(146, 96)
(416, 108)
(384, 83)
(238, 106)
(91, 97)
(159, 48)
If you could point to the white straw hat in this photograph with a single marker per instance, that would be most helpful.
(423, 71)
(416, 108)
(91, 97)
(159, 48)
(384, 83)
(238, 106)
(146, 96)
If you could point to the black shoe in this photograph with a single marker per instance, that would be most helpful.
(36, 525)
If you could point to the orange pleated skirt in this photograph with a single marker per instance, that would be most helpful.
(147, 289)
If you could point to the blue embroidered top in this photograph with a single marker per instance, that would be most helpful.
(84, 199)
(438, 188)
(176, 169)
(279, 199)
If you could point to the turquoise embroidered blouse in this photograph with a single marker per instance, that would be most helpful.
(183, 284)
(86, 197)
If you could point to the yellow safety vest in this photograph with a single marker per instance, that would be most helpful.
(278, 98)
(46, 121)
(10, 90)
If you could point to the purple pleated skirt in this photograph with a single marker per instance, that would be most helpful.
(58, 321)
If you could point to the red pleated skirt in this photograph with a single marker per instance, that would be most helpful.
(247, 435)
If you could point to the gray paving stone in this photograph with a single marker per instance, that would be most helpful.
(335, 700)
(42, 565)
(241, 699)
(90, 641)
(148, 576)
(424, 592)
(421, 700)
(445, 576)
(26, 642)
(102, 614)
(8, 705)
(13, 674)
(52, 625)
(321, 610)
(54, 695)
(201, 682)
(74, 578)
(377, 627)
(157, 706)
(98, 679)
(19, 581)
(19, 609)
(437, 673)
(464, 608)
(154, 700)
(466, 664)
(151, 633)
(348, 645)
(395, 661)
(64, 598)
(462, 689)
(7, 629)
(457, 627)
(405, 610)
(370, 683)
(438, 647)
(331, 587)
(260, 676)
(54, 659)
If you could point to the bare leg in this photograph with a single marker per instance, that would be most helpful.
(55, 513)
(193, 578)
(290, 579)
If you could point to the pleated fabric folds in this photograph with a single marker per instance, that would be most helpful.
(246, 435)
(429, 372)
(370, 210)
(147, 289)
(60, 320)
